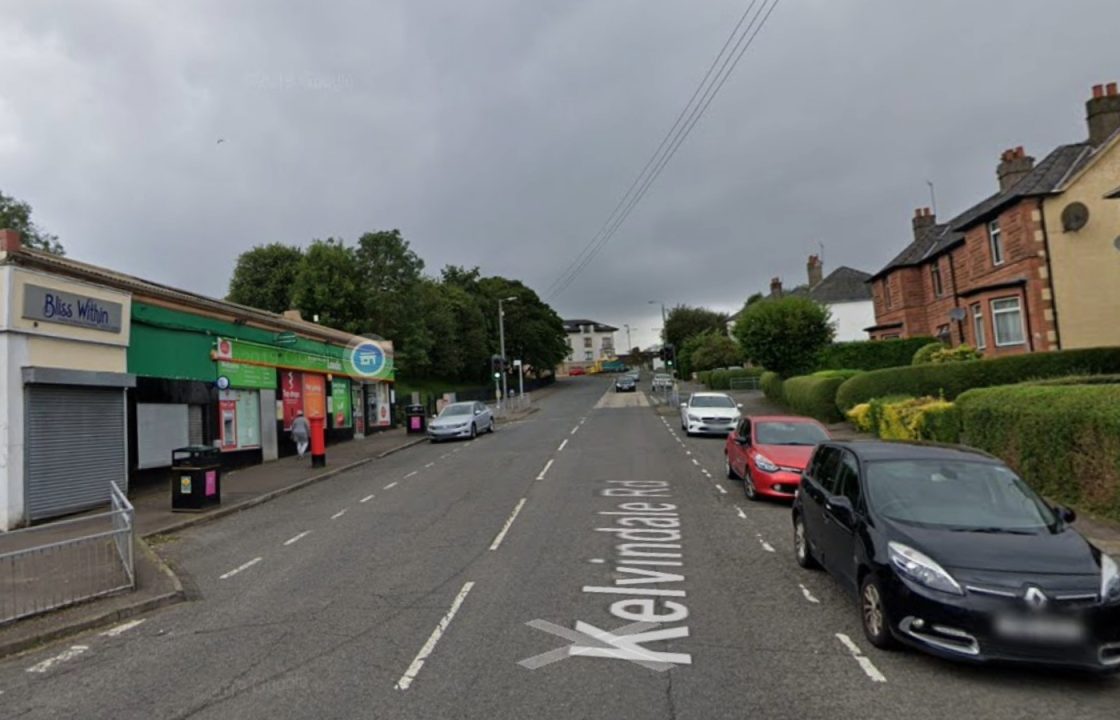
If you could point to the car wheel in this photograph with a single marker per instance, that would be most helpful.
(801, 546)
(491, 428)
(474, 431)
(748, 487)
(873, 613)
(728, 469)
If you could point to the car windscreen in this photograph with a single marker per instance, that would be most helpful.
(956, 495)
(712, 401)
(457, 409)
(789, 433)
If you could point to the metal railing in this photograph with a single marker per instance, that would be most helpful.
(744, 383)
(62, 563)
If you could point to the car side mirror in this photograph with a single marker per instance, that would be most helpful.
(1066, 514)
(744, 441)
(739, 405)
(684, 405)
(841, 509)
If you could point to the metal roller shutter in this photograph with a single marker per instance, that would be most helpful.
(75, 448)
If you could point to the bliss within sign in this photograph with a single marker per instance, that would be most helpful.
(59, 306)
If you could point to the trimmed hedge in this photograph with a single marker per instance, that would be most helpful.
(1064, 441)
(906, 418)
(925, 353)
(721, 379)
(815, 395)
(952, 379)
(871, 354)
(772, 385)
(1080, 380)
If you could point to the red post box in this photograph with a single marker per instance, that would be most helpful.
(318, 442)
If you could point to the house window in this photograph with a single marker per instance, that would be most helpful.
(887, 294)
(891, 336)
(587, 342)
(1007, 319)
(978, 326)
(943, 333)
(995, 240)
(589, 356)
(935, 273)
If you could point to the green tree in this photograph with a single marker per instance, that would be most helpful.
(328, 284)
(755, 298)
(265, 277)
(534, 332)
(684, 322)
(715, 350)
(391, 272)
(786, 335)
(16, 215)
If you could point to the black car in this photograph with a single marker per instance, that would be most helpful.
(626, 383)
(948, 551)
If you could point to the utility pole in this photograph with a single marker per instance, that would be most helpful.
(629, 346)
(502, 345)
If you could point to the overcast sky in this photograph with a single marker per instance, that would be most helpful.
(501, 133)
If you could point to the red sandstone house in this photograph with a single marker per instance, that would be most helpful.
(984, 277)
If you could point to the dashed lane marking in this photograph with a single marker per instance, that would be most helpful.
(390, 486)
(339, 514)
(366, 499)
(808, 595)
(765, 545)
(695, 462)
(505, 528)
(865, 663)
(562, 445)
(741, 513)
(721, 490)
(297, 538)
(414, 473)
(429, 465)
(414, 669)
(240, 568)
(69, 654)
(122, 628)
(547, 465)
(575, 429)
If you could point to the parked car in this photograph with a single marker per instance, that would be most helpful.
(626, 383)
(461, 420)
(951, 553)
(769, 453)
(576, 371)
(707, 413)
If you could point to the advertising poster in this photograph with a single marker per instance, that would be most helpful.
(291, 389)
(340, 403)
(314, 396)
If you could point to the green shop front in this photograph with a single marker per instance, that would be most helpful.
(205, 381)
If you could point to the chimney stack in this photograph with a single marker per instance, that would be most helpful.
(923, 218)
(1103, 113)
(1014, 165)
(816, 271)
(10, 241)
(776, 287)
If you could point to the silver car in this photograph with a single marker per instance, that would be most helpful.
(461, 420)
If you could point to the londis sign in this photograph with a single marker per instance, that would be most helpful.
(366, 361)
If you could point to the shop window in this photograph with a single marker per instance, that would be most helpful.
(1007, 320)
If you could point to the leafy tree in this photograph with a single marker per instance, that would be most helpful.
(391, 271)
(16, 215)
(265, 277)
(715, 350)
(684, 322)
(755, 298)
(685, 352)
(786, 335)
(534, 332)
(328, 284)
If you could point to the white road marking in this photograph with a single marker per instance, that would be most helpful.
(765, 545)
(390, 486)
(741, 513)
(695, 462)
(547, 465)
(505, 528)
(431, 464)
(864, 662)
(73, 652)
(575, 429)
(687, 452)
(720, 488)
(808, 595)
(562, 445)
(122, 628)
(339, 514)
(297, 538)
(236, 570)
(366, 499)
(597, 561)
(430, 645)
(414, 473)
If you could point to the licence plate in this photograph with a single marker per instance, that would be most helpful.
(1040, 629)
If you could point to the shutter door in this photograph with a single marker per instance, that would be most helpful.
(75, 448)
(194, 423)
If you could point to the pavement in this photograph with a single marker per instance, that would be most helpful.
(508, 577)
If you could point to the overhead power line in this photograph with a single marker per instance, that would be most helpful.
(738, 42)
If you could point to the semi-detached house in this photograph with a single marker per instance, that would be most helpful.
(987, 276)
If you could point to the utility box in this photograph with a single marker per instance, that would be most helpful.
(416, 419)
(196, 478)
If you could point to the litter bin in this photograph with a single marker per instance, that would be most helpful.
(196, 478)
(416, 419)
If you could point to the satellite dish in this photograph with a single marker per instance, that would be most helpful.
(1074, 217)
(957, 314)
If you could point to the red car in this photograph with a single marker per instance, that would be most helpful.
(770, 453)
(576, 371)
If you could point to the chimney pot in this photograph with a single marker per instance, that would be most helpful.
(1110, 89)
(10, 241)
(1014, 165)
(1102, 113)
(1098, 91)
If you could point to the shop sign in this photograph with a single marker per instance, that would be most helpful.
(340, 403)
(291, 394)
(314, 396)
(247, 376)
(66, 308)
(242, 352)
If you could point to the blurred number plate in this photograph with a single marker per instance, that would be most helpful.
(1040, 629)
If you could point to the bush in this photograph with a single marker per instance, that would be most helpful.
(772, 387)
(1063, 440)
(961, 353)
(925, 353)
(845, 374)
(1080, 380)
(871, 354)
(721, 379)
(950, 380)
(786, 335)
(860, 416)
(815, 395)
(906, 418)
(877, 408)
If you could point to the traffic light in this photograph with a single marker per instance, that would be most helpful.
(670, 355)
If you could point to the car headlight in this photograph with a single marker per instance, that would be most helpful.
(1110, 580)
(764, 463)
(921, 569)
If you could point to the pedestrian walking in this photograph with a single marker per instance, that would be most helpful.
(301, 433)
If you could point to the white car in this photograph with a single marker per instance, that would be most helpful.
(709, 414)
(461, 420)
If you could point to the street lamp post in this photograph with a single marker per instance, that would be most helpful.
(629, 346)
(502, 345)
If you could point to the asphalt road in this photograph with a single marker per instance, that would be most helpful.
(503, 578)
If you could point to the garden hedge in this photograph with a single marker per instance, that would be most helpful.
(1063, 440)
(925, 353)
(871, 354)
(815, 395)
(952, 379)
(772, 387)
